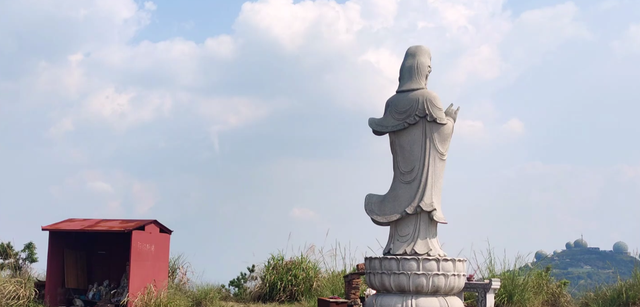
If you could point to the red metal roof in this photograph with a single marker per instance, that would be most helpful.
(103, 225)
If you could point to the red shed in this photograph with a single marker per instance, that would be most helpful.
(87, 251)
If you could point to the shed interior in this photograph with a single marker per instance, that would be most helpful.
(94, 266)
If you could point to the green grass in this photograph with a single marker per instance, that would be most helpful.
(180, 296)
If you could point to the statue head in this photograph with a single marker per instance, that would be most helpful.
(415, 69)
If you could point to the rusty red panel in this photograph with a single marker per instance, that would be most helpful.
(55, 273)
(103, 225)
(149, 260)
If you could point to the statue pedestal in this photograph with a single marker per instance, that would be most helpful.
(415, 281)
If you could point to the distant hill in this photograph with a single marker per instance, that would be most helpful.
(587, 268)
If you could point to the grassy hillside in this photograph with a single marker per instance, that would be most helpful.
(587, 269)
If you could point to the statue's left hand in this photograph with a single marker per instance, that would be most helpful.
(453, 114)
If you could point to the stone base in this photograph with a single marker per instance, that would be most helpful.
(408, 300)
(417, 275)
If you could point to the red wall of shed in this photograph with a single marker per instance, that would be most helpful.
(149, 259)
(55, 271)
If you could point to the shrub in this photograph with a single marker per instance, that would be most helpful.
(287, 281)
(180, 271)
(17, 292)
(239, 286)
(17, 262)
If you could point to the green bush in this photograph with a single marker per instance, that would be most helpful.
(239, 286)
(288, 280)
(305, 277)
(17, 262)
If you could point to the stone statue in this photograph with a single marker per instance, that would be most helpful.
(420, 132)
(414, 270)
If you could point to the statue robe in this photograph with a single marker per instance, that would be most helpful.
(419, 135)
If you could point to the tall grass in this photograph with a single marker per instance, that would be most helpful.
(288, 280)
(624, 293)
(18, 291)
(177, 296)
(522, 284)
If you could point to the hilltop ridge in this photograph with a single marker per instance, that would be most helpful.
(588, 267)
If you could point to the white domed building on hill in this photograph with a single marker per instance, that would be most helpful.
(580, 243)
(540, 255)
(621, 248)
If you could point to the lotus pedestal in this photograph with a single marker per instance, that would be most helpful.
(415, 281)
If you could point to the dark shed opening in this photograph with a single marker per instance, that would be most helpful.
(118, 257)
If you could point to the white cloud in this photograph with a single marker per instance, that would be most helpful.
(629, 42)
(114, 208)
(319, 51)
(302, 213)
(470, 129)
(123, 108)
(483, 61)
(145, 197)
(539, 31)
(150, 6)
(480, 125)
(222, 46)
(514, 126)
(386, 61)
(379, 13)
(110, 192)
(100, 187)
(629, 172)
(610, 4)
(68, 78)
(229, 113)
(60, 128)
(294, 25)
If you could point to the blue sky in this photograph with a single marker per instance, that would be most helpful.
(243, 126)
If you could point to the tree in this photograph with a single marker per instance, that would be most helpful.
(17, 262)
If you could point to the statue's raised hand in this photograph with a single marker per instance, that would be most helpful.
(450, 112)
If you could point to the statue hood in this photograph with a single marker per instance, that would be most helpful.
(412, 100)
(415, 69)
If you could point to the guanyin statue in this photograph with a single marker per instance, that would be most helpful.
(420, 132)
